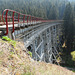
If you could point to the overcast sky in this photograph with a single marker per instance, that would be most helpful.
(71, 0)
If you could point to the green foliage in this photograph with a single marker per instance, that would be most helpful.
(68, 27)
(13, 43)
(0, 62)
(68, 34)
(73, 70)
(30, 53)
(27, 70)
(73, 55)
(39, 8)
(6, 38)
(1, 52)
(19, 56)
(59, 59)
(27, 73)
(54, 13)
(68, 60)
(11, 53)
(10, 57)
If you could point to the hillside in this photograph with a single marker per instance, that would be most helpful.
(48, 9)
(15, 60)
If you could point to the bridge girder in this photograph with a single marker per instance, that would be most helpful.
(43, 40)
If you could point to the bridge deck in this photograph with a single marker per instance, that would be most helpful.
(16, 24)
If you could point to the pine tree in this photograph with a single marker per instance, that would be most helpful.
(53, 13)
(68, 27)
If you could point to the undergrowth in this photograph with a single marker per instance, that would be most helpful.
(12, 42)
(30, 53)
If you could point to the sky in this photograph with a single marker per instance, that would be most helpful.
(71, 0)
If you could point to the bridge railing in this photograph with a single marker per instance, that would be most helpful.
(0, 18)
(13, 17)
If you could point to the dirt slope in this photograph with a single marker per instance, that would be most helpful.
(14, 60)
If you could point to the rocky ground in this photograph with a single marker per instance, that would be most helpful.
(15, 60)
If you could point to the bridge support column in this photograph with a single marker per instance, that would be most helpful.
(38, 49)
(43, 43)
(10, 34)
(55, 45)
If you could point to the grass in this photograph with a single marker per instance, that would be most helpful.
(28, 73)
(30, 53)
(1, 52)
(73, 70)
(17, 62)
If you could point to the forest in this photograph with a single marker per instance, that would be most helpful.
(48, 9)
(54, 10)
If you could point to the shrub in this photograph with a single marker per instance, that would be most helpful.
(73, 55)
(6, 38)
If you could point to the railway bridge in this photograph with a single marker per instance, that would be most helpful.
(42, 37)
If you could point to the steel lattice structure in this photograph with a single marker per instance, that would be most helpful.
(41, 37)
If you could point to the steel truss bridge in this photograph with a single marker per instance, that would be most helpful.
(41, 37)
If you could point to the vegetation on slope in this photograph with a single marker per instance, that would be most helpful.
(49, 9)
(14, 60)
(69, 35)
